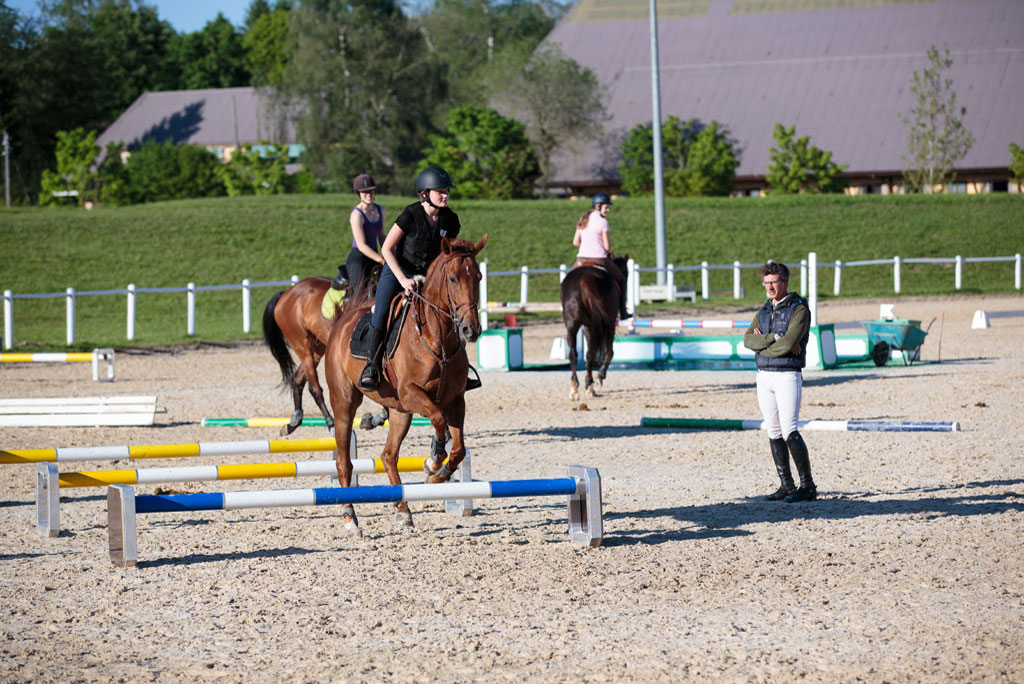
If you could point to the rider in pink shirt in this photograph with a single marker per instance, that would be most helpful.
(592, 239)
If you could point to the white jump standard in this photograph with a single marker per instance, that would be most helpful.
(582, 486)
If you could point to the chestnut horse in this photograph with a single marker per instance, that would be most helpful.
(590, 298)
(292, 319)
(426, 374)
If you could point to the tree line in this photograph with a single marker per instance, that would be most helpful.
(373, 87)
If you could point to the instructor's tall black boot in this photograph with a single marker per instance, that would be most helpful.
(806, 491)
(369, 380)
(780, 454)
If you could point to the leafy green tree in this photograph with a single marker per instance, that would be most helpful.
(937, 139)
(797, 166)
(256, 171)
(697, 160)
(481, 40)
(488, 155)
(76, 151)
(211, 58)
(365, 85)
(561, 102)
(266, 45)
(165, 171)
(637, 166)
(1017, 163)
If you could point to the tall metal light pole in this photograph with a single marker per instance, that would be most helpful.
(7, 169)
(659, 180)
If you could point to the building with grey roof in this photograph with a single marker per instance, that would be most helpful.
(219, 119)
(838, 70)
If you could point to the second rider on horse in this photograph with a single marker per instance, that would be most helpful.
(413, 242)
(594, 247)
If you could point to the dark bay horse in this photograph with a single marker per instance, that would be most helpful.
(292, 319)
(426, 374)
(590, 298)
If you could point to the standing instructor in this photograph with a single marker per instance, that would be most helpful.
(780, 352)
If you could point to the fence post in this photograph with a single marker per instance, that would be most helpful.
(670, 277)
(524, 285)
(803, 277)
(8, 311)
(736, 280)
(71, 315)
(563, 271)
(130, 324)
(295, 279)
(812, 286)
(837, 280)
(896, 274)
(246, 305)
(704, 280)
(191, 328)
(632, 289)
(958, 272)
(483, 295)
(1016, 272)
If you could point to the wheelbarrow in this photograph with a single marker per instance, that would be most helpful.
(899, 334)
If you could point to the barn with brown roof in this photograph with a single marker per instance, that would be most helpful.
(837, 70)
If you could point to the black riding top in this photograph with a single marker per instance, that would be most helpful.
(421, 242)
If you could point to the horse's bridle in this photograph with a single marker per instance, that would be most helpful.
(453, 311)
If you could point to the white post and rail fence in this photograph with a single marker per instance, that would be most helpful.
(667, 291)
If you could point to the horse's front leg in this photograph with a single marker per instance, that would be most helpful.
(345, 408)
(455, 414)
(398, 428)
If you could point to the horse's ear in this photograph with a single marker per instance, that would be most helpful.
(446, 247)
(480, 245)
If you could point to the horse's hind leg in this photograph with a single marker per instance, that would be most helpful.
(570, 342)
(297, 383)
(309, 365)
(591, 356)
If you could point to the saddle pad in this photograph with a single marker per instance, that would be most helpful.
(331, 302)
(358, 347)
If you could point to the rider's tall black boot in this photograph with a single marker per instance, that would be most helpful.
(369, 380)
(780, 454)
(623, 314)
(807, 491)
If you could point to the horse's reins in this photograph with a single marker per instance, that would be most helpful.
(452, 313)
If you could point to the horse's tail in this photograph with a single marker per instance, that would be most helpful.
(274, 338)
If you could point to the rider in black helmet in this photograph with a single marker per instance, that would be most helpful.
(412, 243)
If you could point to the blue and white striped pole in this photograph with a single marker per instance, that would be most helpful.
(583, 487)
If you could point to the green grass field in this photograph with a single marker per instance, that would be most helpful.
(224, 240)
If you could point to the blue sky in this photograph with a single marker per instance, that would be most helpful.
(185, 16)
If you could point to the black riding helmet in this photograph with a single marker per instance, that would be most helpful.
(601, 198)
(433, 178)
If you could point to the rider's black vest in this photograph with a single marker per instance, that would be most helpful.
(422, 242)
(775, 320)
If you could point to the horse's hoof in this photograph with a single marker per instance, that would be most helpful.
(288, 429)
(352, 528)
(574, 395)
(430, 466)
(404, 519)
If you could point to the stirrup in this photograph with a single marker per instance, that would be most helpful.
(473, 383)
